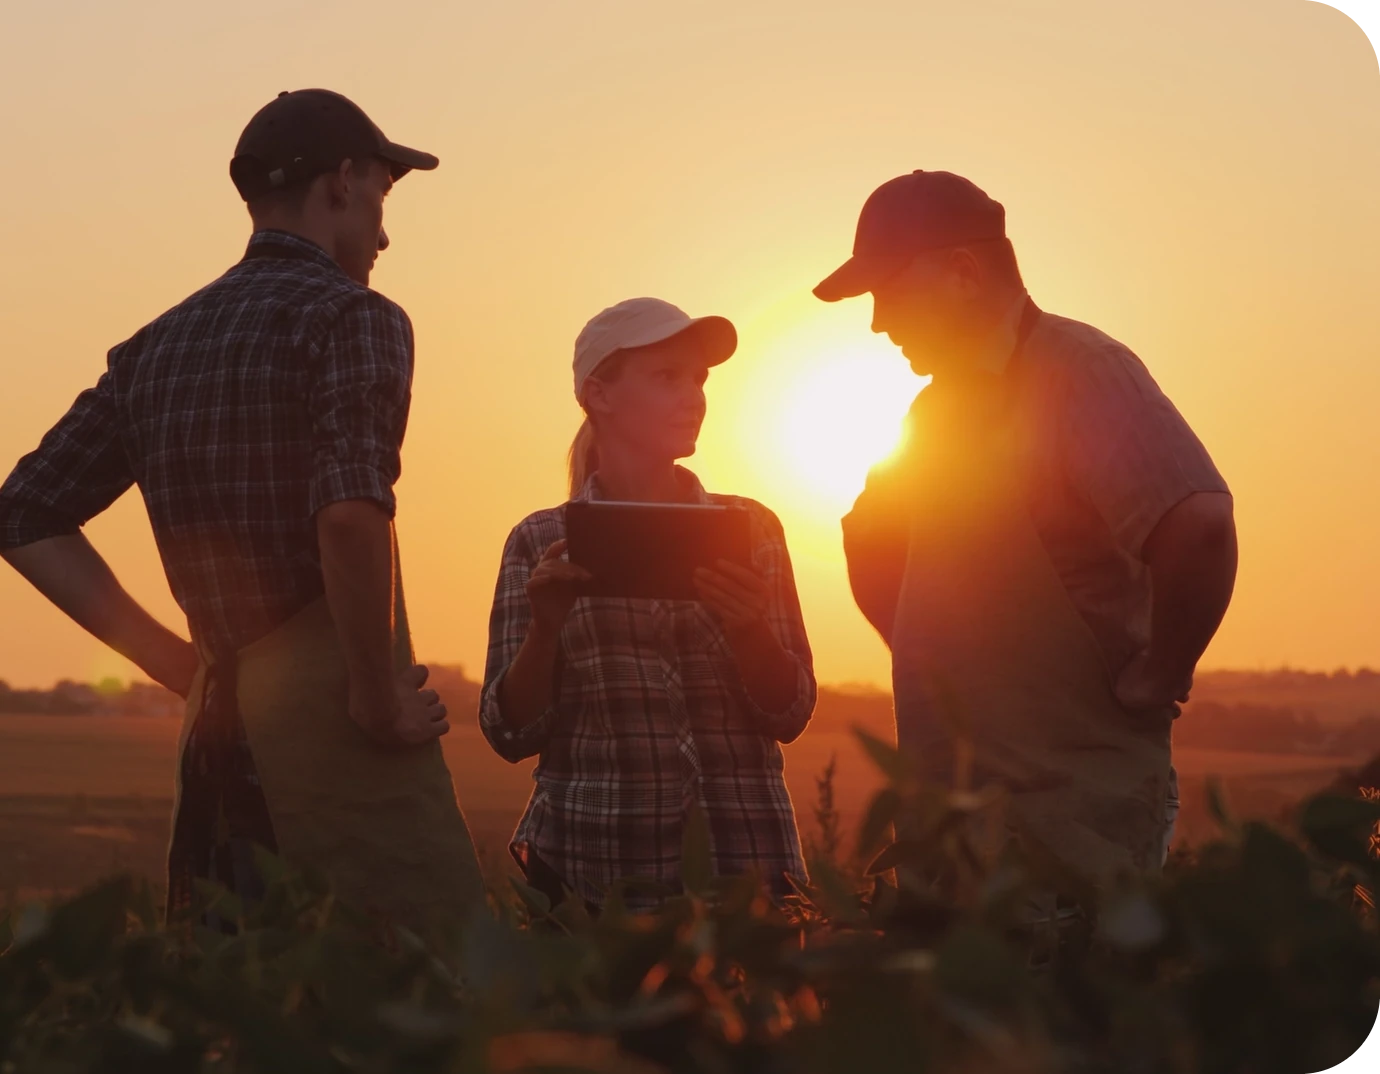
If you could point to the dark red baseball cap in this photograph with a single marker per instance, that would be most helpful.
(302, 134)
(906, 216)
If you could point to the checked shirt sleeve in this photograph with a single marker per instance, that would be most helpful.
(508, 623)
(359, 397)
(773, 562)
(78, 470)
(1127, 448)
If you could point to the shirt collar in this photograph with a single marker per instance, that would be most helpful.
(272, 243)
(694, 490)
(995, 356)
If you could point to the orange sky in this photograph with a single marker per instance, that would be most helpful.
(1197, 178)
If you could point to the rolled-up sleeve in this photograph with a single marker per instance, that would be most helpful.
(772, 560)
(1127, 449)
(508, 623)
(360, 392)
(78, 470)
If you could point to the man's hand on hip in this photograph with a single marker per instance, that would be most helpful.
(1143, 684)
(411, 716)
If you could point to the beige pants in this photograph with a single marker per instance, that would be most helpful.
(381, 823)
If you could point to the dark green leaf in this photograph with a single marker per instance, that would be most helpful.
(884, 755)
(1341, 827)
(835, 894)
(1052, 870)
(82, 932)
(881, 813)
(537, 903)
(978, 966)
(912, 852)
(1217, 805)
(696, 857)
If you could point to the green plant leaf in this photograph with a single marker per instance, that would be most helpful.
(1217, 805)
(1341, 827)
(833, 892)
(975, 965)
(696, 854)
(884, 755)
(1049, 868)
(881, 813)
(573, 914)
(912, 852)
(82, 932)
(537, 902)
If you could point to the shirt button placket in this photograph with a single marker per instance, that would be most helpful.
(664, 618)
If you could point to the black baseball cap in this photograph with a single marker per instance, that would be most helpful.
(906, 216)
(302, 134)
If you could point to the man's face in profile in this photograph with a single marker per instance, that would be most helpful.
(927, 309)
(360, 237)
(912, 309)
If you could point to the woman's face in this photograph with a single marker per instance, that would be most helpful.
(654, 404)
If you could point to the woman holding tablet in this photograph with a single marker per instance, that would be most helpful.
(642, 709)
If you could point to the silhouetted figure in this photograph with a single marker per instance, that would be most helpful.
(1051, 550)
(642, 710)
(262, 419)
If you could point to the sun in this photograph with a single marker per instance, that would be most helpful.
(840, 415)
(797, 420)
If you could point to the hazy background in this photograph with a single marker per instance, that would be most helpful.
(1198, 179)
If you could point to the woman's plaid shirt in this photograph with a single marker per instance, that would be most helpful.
(651, 718)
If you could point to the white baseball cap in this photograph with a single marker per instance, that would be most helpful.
(640, 322)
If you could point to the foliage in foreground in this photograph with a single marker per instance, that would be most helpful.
(1261, 955)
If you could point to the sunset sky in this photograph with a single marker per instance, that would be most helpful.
(1196, 178)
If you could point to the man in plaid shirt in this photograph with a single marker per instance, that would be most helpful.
(262, 419)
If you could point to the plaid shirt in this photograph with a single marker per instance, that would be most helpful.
(278, 389)
(651, 717)
(281, 387)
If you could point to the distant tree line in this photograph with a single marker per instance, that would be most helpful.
(1271, 729)
(110, 697)
(1217, 719)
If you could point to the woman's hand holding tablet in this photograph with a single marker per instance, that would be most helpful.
(553, 588)
(737, 594)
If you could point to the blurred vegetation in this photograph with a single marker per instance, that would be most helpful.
(1260, 954)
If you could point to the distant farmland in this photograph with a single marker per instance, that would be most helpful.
(82, 796)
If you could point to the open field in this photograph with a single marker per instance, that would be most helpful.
(82, 796)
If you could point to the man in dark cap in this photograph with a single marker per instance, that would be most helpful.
(1051, 550)
(262, 419)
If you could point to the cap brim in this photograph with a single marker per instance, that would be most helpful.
(717, 337)
(403, 160)
(859, 275)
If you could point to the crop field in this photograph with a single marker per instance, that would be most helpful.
(82, 796)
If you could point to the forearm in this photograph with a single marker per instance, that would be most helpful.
(875, 539)
(529, 687)
(1192, 556)
(356, 544)
(769, 672)
(73, 575)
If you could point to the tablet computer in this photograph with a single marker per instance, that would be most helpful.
(651, 550)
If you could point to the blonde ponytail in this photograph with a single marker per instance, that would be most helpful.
(584, 457)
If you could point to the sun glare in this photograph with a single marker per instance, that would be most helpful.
(838, 418)
(815, 401)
